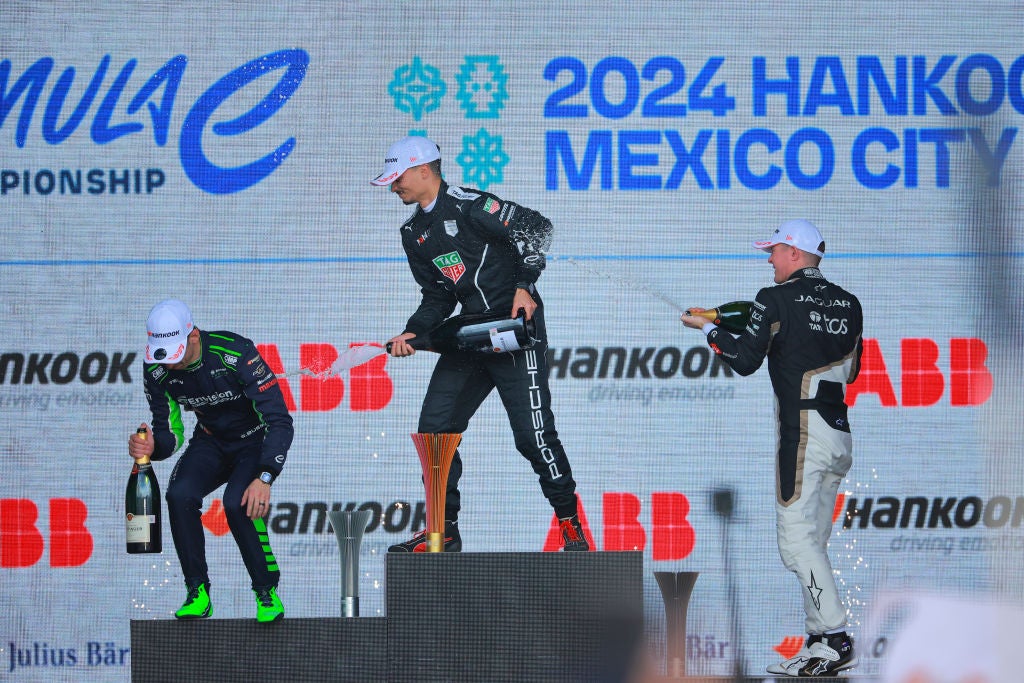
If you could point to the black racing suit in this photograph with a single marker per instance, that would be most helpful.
(243, 429)
(810, 331)
(474, 249)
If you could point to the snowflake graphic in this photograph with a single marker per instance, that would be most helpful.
(482, 87)
(482, 159)
(417, 88)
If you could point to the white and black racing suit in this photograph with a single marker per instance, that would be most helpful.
(474, 249)
(810, 331)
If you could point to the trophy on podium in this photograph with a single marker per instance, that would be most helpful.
(349, 526)
(676, 588)
(436, 452)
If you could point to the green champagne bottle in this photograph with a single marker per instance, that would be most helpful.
(478, 332)
(142, 507)
(732, 317)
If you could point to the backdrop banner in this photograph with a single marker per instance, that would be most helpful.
(222, 153)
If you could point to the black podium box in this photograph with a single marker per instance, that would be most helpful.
(459, 617)
(237, 650)
(513, 616)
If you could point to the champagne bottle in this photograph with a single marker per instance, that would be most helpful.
(142, 507)
(479, 332)
(732, 317)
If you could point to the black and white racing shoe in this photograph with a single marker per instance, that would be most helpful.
(792, 666)
(830, 656)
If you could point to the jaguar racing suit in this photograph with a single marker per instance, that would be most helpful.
(243, 428)
(474, 249)
(810, 331)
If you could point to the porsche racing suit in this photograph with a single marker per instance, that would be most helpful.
(810, 331)
(474, 249)
(243, 428)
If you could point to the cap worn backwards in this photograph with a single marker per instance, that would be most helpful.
(168, 327)
(798, 233)
(403, 155)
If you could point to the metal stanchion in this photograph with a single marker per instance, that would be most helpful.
(676, 588)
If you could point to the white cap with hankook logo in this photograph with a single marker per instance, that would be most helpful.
(168, 327)
(403, 155)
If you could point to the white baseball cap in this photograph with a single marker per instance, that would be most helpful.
(403, 155)
(168, 328)
(799, 233)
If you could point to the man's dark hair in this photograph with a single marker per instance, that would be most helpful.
(435, 166)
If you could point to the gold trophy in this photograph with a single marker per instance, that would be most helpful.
(436, 452)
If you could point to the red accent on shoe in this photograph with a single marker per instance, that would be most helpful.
(568, 530)
(422, 547)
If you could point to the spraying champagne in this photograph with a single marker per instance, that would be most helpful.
(480, 332)
(733, 316)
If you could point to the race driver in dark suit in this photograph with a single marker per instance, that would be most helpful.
(471, 248)
(241, 439)
(810, 330)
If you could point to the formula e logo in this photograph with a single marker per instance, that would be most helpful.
(156, 96)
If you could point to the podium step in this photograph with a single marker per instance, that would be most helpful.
(513, 616)
(236, 650)
(450, 617)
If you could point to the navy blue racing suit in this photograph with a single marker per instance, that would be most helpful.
(243, 428)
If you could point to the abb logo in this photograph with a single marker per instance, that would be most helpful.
(369, 387)
(672, 536)
(921, 381)
(21, 543)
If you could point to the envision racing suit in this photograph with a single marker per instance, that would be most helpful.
(243, 429)
(810, 330)
(474, 249)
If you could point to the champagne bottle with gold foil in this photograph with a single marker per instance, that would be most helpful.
(732, 317)
(142, 507)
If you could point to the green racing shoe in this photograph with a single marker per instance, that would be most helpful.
(268, 606)
(197, 604)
